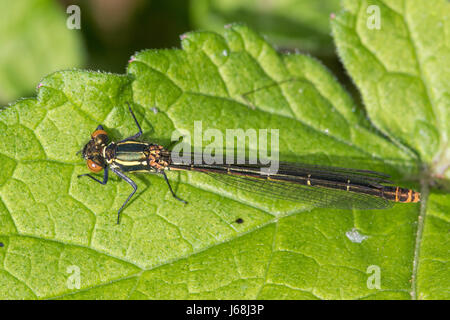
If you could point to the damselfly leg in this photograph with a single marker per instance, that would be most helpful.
(131, 183)
(170, 188)
(137, 135)
(105, 176)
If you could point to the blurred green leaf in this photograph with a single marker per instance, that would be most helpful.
(34, 41)
(299, 24)
(51, 222)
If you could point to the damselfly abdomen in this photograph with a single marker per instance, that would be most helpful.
(320, 186)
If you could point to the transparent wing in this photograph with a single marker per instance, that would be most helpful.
(314, 195)
(363, 177)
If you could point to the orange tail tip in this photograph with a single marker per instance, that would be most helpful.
(406, 195)
(416, 197)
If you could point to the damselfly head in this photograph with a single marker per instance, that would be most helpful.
(93, 150)
(93, 153)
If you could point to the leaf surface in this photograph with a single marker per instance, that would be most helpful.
(52, 223)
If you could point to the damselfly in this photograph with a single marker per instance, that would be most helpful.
(320, 186)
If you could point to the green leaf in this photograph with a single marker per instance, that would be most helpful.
(405, 87)
(34, 41)
(288, 24)
(52, 223)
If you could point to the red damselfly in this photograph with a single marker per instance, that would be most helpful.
(321, 186)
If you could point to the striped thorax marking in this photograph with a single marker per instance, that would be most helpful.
(135, 156)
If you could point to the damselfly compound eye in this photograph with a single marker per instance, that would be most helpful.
(97, 133)
(93, 166)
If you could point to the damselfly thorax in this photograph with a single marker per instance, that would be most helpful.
(126, 156)
(319, 186)
(136, 156)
